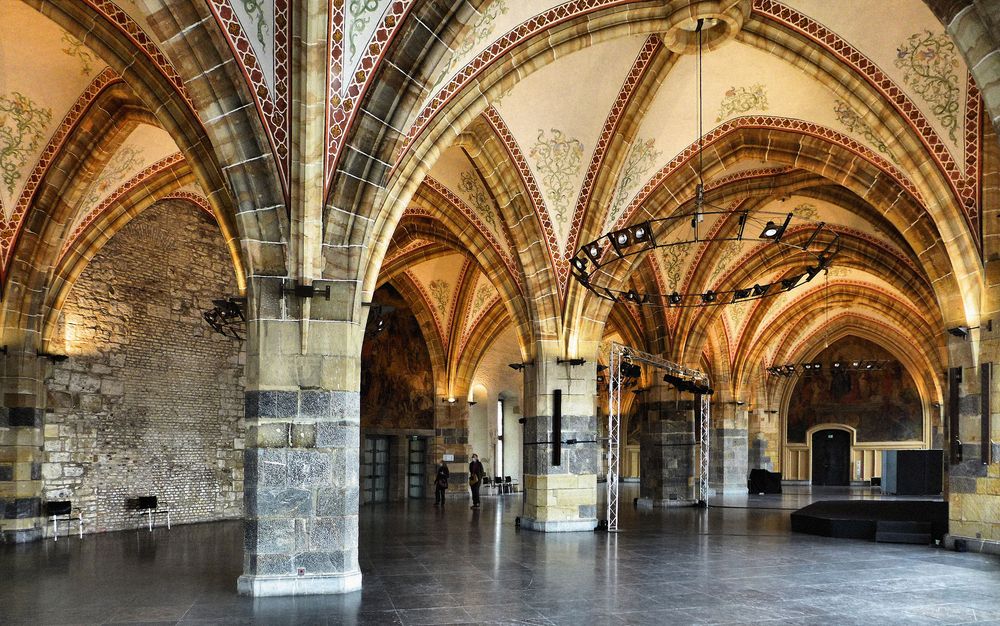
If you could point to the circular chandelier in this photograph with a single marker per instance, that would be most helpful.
(816, 247)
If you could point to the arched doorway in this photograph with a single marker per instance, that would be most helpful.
(831, 457)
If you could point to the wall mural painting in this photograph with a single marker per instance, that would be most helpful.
(930, 62)
(397, 386)
(882, 404)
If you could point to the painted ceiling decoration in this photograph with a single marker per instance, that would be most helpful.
(258, 33)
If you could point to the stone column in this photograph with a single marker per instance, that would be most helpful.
(729, 453)
(451, 436)
(302, 458)
(973, 487)
(21, 440)
(666, 448)
(560, 498)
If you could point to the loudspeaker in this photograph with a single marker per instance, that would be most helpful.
(556, 427)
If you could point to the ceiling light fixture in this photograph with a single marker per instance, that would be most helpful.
(817, 244)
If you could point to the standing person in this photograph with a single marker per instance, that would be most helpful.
(476, 473)
(441, 483)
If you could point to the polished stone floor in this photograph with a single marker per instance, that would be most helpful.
(424, 565)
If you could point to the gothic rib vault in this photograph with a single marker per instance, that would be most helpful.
(460, 153)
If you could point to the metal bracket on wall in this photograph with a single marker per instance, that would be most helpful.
(306, 291)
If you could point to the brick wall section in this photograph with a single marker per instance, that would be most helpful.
(150, 401)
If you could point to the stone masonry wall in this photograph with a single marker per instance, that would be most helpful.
(150, 401)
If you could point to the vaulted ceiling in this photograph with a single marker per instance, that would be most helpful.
(542, 125)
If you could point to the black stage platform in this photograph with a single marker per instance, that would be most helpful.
(895, 521)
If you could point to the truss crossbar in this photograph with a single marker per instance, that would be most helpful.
(619, 354)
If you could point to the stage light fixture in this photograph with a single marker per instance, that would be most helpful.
(674, 298)
(774, 231)
(959, 331)
(761, 290)
(741, 294)
(593, 250)
(517, 367)
(789, 283)
(580, 263)
(640, 232)
(708, 296)
(811, 272)
(576, 361)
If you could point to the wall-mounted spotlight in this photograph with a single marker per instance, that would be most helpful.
(962, 332)
(449, 400)
(571, 361)
(307, 291)
(473, 403)
(55, 358)
(519, 366)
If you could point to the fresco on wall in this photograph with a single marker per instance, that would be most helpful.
(397, 386)
(882, 405)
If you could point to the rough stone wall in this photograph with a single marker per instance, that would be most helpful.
(150, 401)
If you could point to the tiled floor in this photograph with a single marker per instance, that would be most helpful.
(424, 565)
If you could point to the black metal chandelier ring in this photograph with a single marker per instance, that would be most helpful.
(817, 248)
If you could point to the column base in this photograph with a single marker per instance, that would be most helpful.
(314, 585)
(560, 526)
(651, 503)
(987, 546)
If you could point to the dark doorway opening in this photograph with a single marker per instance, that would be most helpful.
(831, 457)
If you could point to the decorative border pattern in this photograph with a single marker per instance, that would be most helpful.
(458, 204)
(766, 123)
(274, 107)
(965, 184)
(131, 29)
(632, 81)
(495, 51)
(470, 328)
(10, 229)
(967, 194)
(850, 314)
(534, 193)
(761, 172)
(429, 303)
(198, 200)
(136, 181)
(399, 252)
(343, 100)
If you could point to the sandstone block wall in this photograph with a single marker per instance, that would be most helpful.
(150, 401)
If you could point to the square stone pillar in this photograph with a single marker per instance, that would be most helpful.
(667, 448)
(563, 497)
(729, 447)
(21, 440)
(302, 460)
(451, 436)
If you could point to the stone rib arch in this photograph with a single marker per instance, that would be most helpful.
(152, 192)
(857, 254)
(875, 303)
(928, 386)
(87, 149)
(428, 328)
(492, 160)
(222, 138)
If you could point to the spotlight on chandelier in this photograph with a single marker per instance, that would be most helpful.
(811, 245)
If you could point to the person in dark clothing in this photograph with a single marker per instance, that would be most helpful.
(476, 473)
(441, 483)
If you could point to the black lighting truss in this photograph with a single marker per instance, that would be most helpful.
(227, 317)
(816, 368)
(817, 243)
